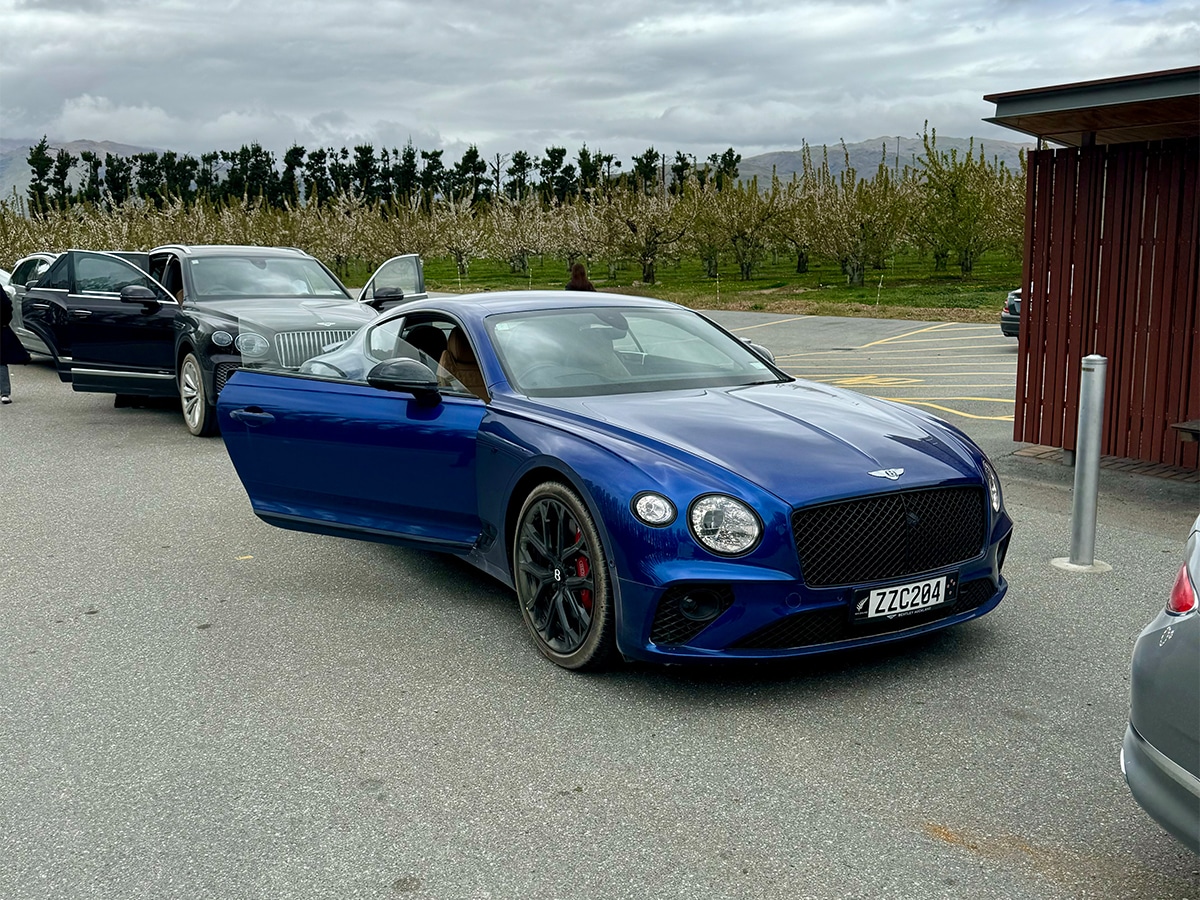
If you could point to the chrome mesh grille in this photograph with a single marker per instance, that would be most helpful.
(294, 347)
(889, 535)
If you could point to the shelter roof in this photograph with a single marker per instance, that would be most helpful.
(1153, 106)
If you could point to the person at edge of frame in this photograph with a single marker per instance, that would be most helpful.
(11, 350)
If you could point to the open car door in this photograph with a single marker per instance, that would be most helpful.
(399, 279)
(386, 455)
(121, 327)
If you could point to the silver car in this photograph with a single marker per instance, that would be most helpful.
(1161, 752)
(26, 271)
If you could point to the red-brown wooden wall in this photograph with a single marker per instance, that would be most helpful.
(1111, 267)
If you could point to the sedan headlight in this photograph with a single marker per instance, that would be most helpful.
(252, 344)
(724, 525)
(993, 484)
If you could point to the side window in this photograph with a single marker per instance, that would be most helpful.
(105, 274)
(59, 275)
(399, 274)
(168, 272)
(23, 273)
(425, 341)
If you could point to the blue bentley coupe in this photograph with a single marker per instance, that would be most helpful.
(648, 483)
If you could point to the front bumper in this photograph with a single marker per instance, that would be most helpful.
(780, 618)
(1169, 794)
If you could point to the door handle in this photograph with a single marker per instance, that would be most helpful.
(81, 313)
(252, 416)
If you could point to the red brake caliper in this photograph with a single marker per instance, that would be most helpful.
(582, 569)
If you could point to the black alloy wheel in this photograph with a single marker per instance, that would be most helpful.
(562, 580)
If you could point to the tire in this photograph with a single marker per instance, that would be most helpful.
(199, 415)
(562, 579)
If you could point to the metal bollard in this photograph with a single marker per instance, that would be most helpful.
(1087, 465)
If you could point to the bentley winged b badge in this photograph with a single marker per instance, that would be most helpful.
(889, 474)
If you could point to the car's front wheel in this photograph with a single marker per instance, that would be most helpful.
(562, 579)
(199, 415)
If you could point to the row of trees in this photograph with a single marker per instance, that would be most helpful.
(950, 207)
(320, 175)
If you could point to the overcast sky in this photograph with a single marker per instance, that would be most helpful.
(620, 76)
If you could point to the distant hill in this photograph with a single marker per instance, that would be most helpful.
(865, 156)
(14, 160)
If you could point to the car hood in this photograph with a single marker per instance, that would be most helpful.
(800, 441)
(287, 314)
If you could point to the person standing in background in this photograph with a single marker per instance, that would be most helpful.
(579, 280)
(11, 350)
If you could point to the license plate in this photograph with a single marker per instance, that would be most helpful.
(902, 599)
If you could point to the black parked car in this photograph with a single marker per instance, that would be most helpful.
(1010, 316)
(182, 325)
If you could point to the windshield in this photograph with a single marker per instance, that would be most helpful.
(231, 277)
(584, 352)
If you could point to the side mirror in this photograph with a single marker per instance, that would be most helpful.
(406, 376)
(384, 296)
(760, 350)
(136, 293)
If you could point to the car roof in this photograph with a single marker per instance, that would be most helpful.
(230, 250)
(480, 306)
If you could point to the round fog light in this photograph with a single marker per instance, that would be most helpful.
(700, 605)
(653, 509)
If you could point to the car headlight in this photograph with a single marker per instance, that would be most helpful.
(993, 484)
(252, 344)
(653, 509)
(222, 338)
(724, 525)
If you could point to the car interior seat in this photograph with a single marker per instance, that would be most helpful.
(459, 360)
(429, 339)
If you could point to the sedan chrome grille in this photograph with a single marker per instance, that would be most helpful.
(295, 347)
(889, 535)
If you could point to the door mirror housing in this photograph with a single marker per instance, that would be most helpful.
(136, 293)
(760, 350)
(385, 295)
(406, 376)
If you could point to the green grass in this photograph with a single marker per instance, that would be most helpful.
(910, 288)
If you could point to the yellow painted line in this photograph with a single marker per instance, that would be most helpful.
(876, 381)
(937, 340)
(906, 334)
(842, 354)
(817, 376)
(965, 399)
(765, 324)
(955, 412)
(245, 557)
(939, 386)
(915, 365)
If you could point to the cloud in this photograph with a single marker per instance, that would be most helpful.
(695, 76)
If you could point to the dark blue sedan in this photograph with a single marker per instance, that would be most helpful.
(648, 483)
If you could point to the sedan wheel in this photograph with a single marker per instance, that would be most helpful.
(199, 415)
(562, 579)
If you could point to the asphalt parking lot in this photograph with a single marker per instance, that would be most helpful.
(198, 705)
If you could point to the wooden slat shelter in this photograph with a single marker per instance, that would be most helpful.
(1111, 263)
